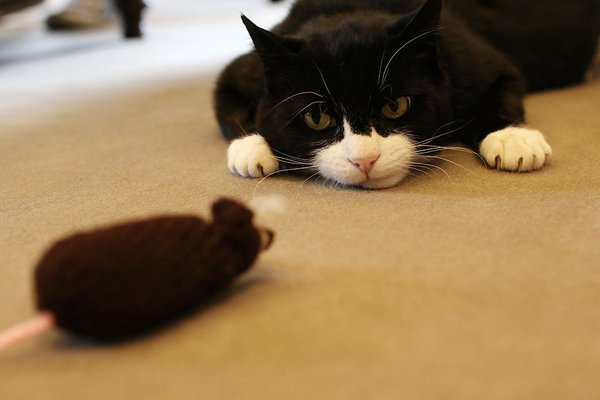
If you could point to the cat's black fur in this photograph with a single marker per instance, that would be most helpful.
(474, 66)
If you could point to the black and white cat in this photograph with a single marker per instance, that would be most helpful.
(361, 91)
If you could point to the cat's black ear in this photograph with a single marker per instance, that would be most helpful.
(423, 21)
(272, 48)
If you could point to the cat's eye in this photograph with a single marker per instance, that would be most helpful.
(397, 108)
(318, 121)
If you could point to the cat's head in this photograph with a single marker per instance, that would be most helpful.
(353, 95)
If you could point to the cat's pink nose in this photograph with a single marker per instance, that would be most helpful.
(365, 163)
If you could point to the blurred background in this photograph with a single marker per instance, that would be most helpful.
(181, 37)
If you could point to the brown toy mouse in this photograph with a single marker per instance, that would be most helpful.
(125, 279)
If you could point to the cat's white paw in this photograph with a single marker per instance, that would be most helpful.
(515, 149)
(251, 156)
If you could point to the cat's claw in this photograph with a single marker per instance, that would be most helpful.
(516, 149)
(251, 157)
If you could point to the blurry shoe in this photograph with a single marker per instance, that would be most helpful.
(82, 14)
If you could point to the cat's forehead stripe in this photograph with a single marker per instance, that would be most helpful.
(348, 130)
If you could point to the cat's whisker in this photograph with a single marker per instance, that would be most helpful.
(447, 124)
(386, 70)
(436, 136)
(241, 127)
(336, 184)
(323, 79)
(385, 87)
(301, 168)
(434, 149)
(318, 178)
(422, 170)
(277, 172)
(310, 177)
(324, 181)
(379, 83)
(420, 166)
(298, 113)
(291, 162)
(423, 152)
(291, 157)
(330, 182)
(451, 162)
(412, 174)
(291, 97)
(287, 159)
(428, 151)
(433, 166)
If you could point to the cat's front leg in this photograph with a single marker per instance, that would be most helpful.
(251, 157)
(498, 131)
(515, 148)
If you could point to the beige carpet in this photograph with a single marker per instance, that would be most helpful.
(475, 285)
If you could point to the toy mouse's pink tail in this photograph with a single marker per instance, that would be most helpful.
(35, 326)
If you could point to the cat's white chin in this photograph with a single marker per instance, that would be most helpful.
(382, 183)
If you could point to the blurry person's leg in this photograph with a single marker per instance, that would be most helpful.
(131, 16)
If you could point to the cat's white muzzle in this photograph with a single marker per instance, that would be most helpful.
(388, 158)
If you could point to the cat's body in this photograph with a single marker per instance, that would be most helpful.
(363, 90)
